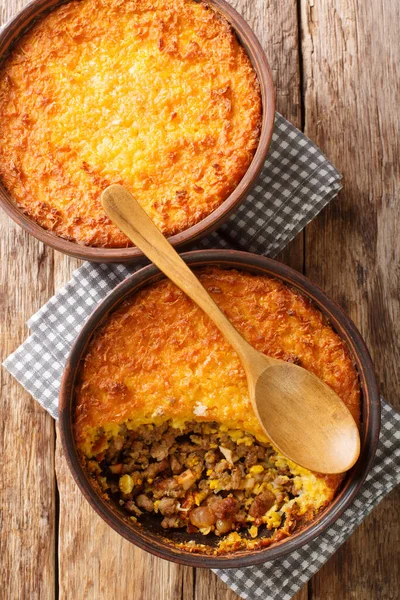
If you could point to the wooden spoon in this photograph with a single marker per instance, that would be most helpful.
(302, 416)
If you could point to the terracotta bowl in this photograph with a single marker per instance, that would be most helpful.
(27, 17)
(151, 536)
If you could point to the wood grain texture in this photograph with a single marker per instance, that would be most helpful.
(350, 65)
(27, 485)
(276, 25)
(351, 57)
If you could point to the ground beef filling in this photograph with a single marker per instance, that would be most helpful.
(202, 477)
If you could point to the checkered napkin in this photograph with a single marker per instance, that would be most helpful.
(296, 182)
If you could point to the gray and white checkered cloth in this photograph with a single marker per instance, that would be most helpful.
(296, 182)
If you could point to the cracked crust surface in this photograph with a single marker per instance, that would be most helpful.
(157, 95)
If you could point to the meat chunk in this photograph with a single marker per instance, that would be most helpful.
(171, 522)
(210, 458)
(159, 450)
(155, 468)
(223, 508)
(203, 441)
(236, 478)
(167, 487)
(261, 504)
(168, 506)
(175, 465)
(114, 448)
(251, 458)
(144, 502)
(222, 466)
(132, 508)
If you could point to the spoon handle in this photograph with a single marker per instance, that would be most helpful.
(125, 211)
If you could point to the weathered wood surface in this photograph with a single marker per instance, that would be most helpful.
(341, 82)
(351, 52)
(27, 483)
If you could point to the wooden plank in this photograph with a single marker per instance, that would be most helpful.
(9, 8)
(27, 483)
(276, 25)
(208, 586)
(351, 57)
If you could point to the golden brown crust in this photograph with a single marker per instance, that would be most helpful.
(159, 357)
(157, 95)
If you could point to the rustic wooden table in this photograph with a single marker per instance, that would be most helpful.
(336, 66)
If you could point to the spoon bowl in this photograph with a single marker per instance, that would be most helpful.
(284, 389)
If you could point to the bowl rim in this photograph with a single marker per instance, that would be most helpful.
(370, 425)
(38, 8)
